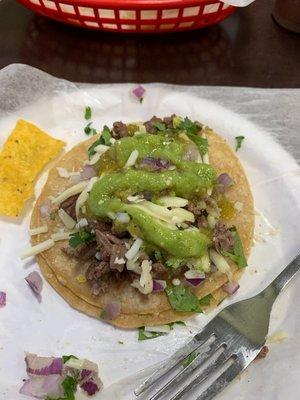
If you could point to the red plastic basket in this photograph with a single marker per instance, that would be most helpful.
(136, 16)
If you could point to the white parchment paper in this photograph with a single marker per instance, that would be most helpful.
(53, 328)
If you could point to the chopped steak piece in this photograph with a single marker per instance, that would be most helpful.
(143, 257)
(82, 252)
(119, 130)
(150, 128)
(222, 238)
(196, 208)
(158, 269)
(263, 353)
(96, 270)
(113, 239)
(201, 221)
(117, 251)
(69, 206)
(101, 226)
(168, 121)
(102, 240)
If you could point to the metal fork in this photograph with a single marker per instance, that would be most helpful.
(227, 344)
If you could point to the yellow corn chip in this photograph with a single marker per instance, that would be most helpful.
(25, 153)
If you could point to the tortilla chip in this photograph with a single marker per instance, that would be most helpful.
(137, 309)
(25, 153)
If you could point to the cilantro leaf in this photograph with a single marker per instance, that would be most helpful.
(157, 255)
(174, 262)
(69, 385)
(81, 237)
(88, 113)
(67, 358)
(189, 359)
(238, 255)
(89, 130)
(205, 301)
(200, 142)
(160, 126)
(190, 127)
(103, 139)
(145, 335)
(181, 299)
(239, 141)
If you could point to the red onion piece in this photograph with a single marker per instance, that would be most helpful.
(224, 182)
(2, 299)
(194, 281)
(159, 285)
(92, 385)
(88, 172)
(139, 92)
(43, 387)
(231, 287)
(155, 164)
(45, 209)
(35, 283)
(36, 365)
(111, 310)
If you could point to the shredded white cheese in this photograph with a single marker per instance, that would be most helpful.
(132, 159)
(120, 260)
(63, 173)
(172, 201)
(221, 263)
(99, 150)
(135, 199)
(176, 282)
(71, 191)
(145, 284)
(84, 195)
(131, 253)
(82, 223)
(112, 215)
(38, 230)
(32, 251)
(60, 236)
(68, 221)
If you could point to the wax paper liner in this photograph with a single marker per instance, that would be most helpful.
(52, 327)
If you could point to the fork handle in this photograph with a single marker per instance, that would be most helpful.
(286, 275)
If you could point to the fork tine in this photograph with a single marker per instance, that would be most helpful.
(223, 380)
(187, 370)
(175, 359)
(221, 360)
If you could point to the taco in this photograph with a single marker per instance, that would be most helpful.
(147, 223)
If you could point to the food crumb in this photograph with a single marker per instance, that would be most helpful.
(262, 354)
(277, 337)
(120, 342)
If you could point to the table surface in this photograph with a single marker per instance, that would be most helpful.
(247, 49)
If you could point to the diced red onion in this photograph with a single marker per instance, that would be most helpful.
(224, 182)
(139, 92)
(92, 385)
(88, 172)
(194, 281)
(35, 283)
(155, 164)
(231, 287)
(43, 387)
(45, 210)
(111, 310)
(2, 299)
(36, 365)
(159, 285)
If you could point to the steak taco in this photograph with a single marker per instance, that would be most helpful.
(147, 223)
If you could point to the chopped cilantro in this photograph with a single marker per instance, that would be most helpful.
(103, 314)
(145, 335)
(103, 139)
(190, 127)
(238, 255)
(160, 126)
(181, 299)
(67, 358)
(205, 301)
(174, 262)
(201, 143)
(189, 359)
(89, 130)
(88, 113)
(157, 255)
(52, 215)
(69, 385)
(80, 237)
(239, 141)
